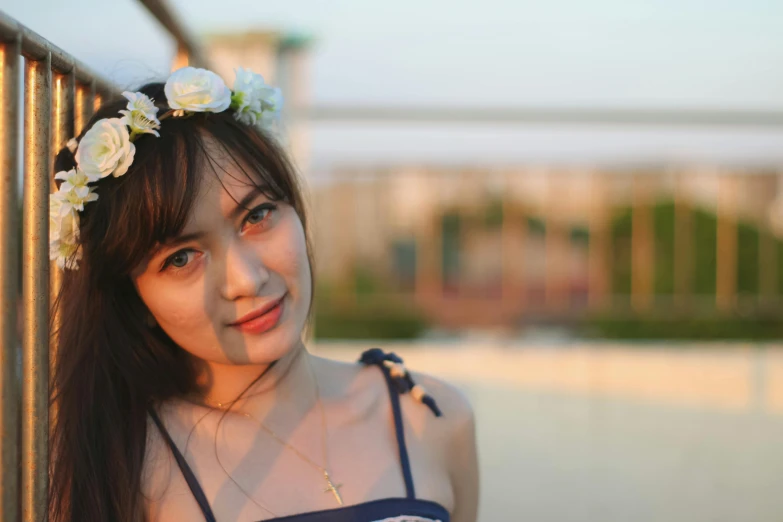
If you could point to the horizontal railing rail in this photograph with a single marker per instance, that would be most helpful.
(36, 47)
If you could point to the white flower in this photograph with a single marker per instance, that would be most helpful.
(105, 149)
(74, 197)
(63, 234)
(254, 102)
(70, 197)
(141, 114)
(272, 107)
(55, 217)
(72, 144)
(66, 254)
(74, 178)
(138, 101)
(63, 223)
(197, 90)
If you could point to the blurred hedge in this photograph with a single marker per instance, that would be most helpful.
(366, 318)
(704, 247)
(753, 324)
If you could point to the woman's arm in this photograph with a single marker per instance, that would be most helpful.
(463, 467)
(460, 455)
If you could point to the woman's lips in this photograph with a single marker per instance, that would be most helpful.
(263, 322)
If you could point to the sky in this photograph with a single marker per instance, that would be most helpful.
(649, 54)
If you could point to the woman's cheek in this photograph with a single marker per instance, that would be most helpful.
(181, 310)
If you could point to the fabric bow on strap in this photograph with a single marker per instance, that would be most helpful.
(392, 366)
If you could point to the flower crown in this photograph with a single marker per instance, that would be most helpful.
(107, 147)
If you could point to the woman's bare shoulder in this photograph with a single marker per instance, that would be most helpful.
(351, 384)
(454, 433)
(452, 401)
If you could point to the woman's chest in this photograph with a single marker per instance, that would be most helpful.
(248, 473)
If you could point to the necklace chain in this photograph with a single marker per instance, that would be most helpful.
(331, 486)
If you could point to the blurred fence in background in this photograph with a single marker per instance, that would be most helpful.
(641, 251)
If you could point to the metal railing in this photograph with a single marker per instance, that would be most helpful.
(188, 49)
(59, 94)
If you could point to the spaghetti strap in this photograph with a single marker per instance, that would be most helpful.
(399, 381)
(190, 477)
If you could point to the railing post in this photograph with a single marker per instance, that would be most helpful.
(683, 243)
(10, 53)
(599, 272)
(726, 255)
(513, 249)
(83, 106)
(429, 245)
(642, 244)
(768, 254)
(557, 246)
(35, 289)
(62, 131)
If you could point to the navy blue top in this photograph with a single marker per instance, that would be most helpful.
(375, 510)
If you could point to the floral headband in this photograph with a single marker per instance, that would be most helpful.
(107, 147)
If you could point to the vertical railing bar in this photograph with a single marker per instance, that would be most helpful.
(683, 243)
(767, 258)
(83, 107)
(557, 282)
(598, 256)
(10, 53)
(429, 261)
(383, 204)
(642, 245)
(62, 131)
(512, 264)
(92, 97)
(97, 98)
(351, 202)
(35, 290)
(726, 244)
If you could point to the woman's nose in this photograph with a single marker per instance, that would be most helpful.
(245, 274)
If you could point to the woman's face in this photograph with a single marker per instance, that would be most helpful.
(229, 263)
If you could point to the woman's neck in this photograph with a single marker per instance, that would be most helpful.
(290, 380)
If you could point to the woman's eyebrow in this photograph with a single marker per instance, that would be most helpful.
(176, 241)
(245, 201)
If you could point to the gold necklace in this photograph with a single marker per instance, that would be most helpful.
(331, 487)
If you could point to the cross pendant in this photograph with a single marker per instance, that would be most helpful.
(333, 488)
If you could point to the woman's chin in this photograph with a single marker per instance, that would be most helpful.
(266, 348)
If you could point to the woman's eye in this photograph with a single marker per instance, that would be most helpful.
(259, 214)
(179, 259)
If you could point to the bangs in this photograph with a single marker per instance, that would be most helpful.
(150, 204)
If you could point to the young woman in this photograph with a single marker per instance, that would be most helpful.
(182, 388)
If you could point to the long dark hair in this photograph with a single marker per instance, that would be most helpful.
(110, 366)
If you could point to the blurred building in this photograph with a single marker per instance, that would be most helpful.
(282, 59)
(496, 244)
